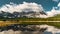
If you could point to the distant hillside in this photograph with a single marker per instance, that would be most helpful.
(55, 18)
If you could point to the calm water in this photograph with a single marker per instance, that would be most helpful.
(31, 29)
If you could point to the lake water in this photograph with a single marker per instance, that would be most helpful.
(36, 29)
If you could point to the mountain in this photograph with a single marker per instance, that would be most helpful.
(16, 14)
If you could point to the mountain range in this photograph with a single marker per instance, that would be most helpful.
(16, 14)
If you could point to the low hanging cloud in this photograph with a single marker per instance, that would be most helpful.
(30, 7)
(53, 12)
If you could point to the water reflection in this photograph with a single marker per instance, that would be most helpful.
(47, 32)
(29, 29)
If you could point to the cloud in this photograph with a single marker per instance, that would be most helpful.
(59, 4)
(55, 0)
(53, 12)
(30, 7)
(21, 7)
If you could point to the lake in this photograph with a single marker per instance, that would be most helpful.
(29, 29)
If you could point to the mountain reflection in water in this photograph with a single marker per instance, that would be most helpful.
(29, 29)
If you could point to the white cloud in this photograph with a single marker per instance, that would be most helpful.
(55, 0)
(53, 12)
(29, 7)
(21, 7)
(59, 4)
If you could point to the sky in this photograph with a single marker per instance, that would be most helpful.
(47, 4)
(50, 7)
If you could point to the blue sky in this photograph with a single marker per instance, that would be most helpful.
(47, 4)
